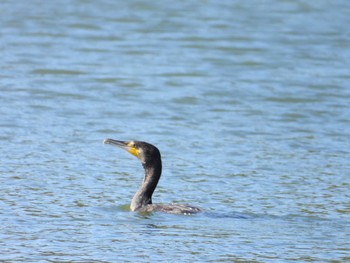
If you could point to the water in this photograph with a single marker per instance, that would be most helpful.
(248, 102)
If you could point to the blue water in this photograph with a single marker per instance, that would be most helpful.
(248, 102)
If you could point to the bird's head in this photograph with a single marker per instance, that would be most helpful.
(145, 152)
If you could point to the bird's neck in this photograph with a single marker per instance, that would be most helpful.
(143, 196)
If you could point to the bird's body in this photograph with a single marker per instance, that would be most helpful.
(171, 208)
(150, 158)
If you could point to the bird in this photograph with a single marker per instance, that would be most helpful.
(150, 158)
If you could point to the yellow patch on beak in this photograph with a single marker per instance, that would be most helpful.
(133, 151)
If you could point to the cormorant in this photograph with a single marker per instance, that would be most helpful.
(150, 158)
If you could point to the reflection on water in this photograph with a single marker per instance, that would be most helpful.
(248, 104)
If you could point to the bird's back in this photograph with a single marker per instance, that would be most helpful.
(179, 209)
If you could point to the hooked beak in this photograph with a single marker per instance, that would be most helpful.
(128, 146)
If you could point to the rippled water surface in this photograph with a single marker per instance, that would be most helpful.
(248, 102)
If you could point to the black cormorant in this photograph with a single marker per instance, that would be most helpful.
(150, 158)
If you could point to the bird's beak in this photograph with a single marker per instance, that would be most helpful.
(128, 146)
